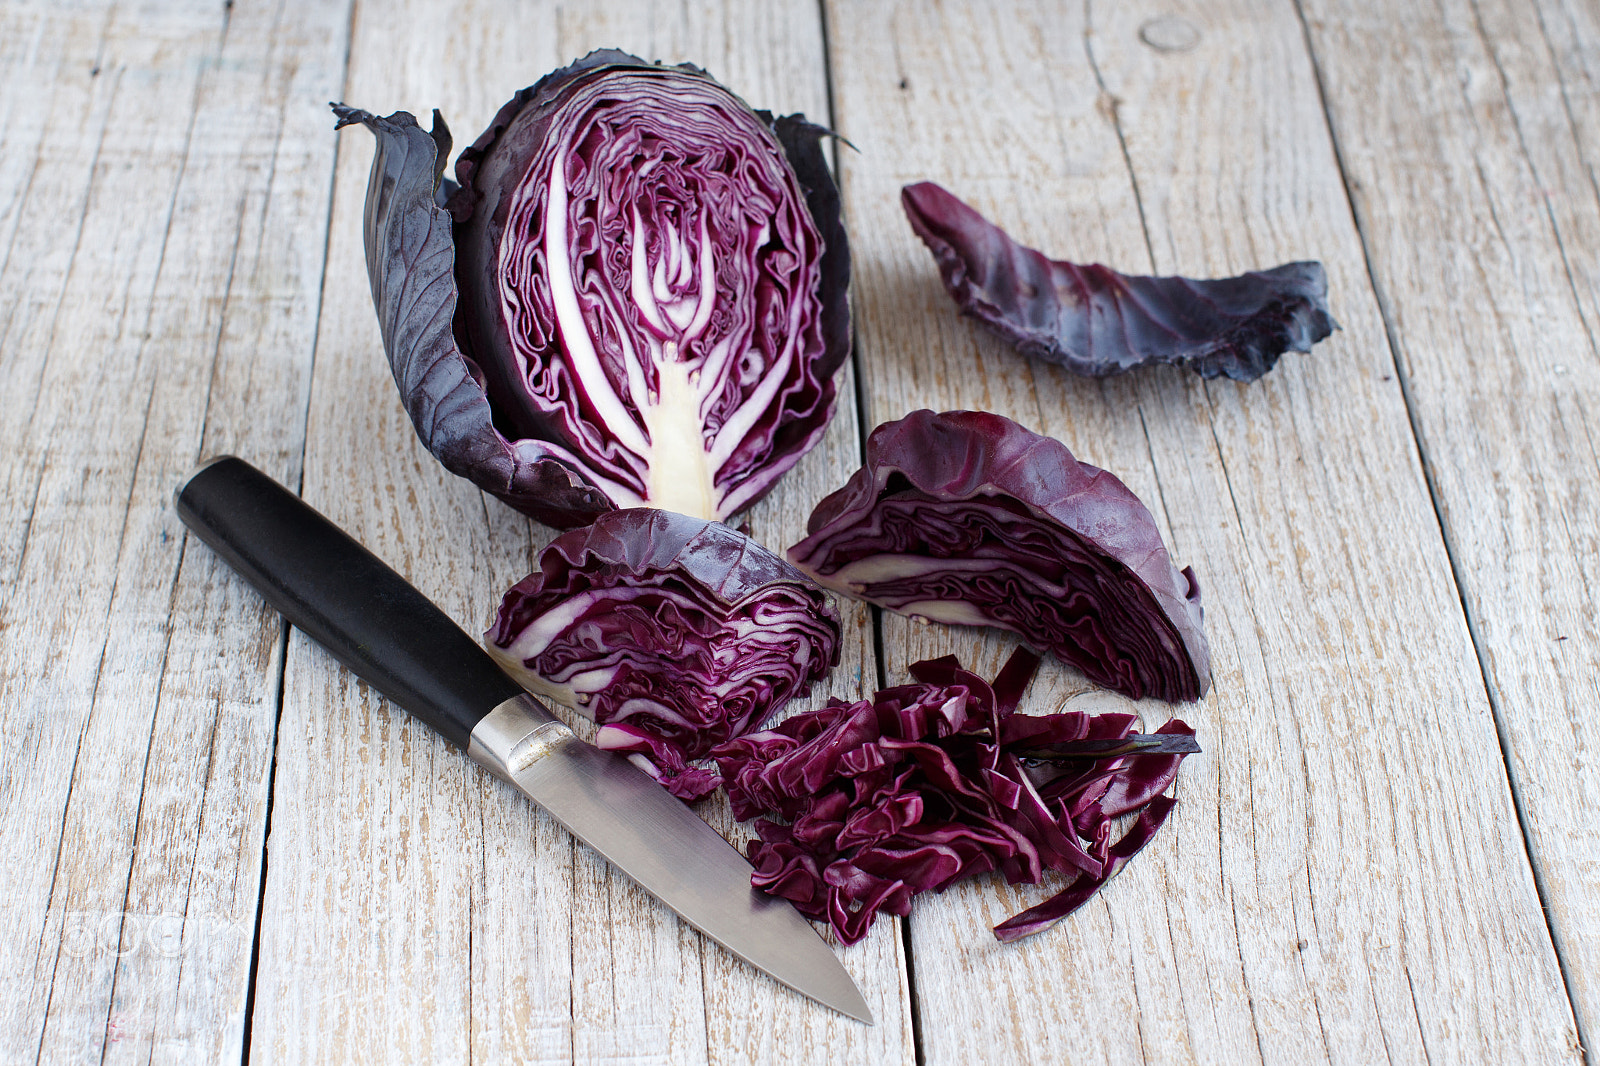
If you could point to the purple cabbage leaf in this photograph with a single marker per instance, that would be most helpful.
(862, 806)
(673, 633)
(410, 256)
(636, 296)
(968, 518)
(1097, 322)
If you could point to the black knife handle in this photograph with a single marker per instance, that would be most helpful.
(344, 597)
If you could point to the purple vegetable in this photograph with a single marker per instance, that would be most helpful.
(1097, 322)
(652, 282)
(1039, 918)
(873, 802)
(968, 518)
(673, 633)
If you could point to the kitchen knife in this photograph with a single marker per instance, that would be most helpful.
(388, 633)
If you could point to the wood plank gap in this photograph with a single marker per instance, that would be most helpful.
(1386, 312)
(863, 431)
(1111, 103)
(266, 836)
(316, 336)
(1150, 450)
(906, 946)
(863, 425)
(283, 630)
(705, 1017)
(827, 79)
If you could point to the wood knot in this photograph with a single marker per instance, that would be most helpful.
(1170, 34)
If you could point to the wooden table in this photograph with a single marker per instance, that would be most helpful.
(216, 844)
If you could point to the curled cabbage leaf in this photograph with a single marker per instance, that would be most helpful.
(1097, 322)
(673, 633)
(641, 300)
(862, 806)
(967, 518)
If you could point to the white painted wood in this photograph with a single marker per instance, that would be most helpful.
(1343, 878)
(1469, 134)
(414, 906)
(160, 266)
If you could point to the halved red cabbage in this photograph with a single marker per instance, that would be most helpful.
(652, 284)
(868, 804)
(1097, 322)
(967, 518)
(673, 633)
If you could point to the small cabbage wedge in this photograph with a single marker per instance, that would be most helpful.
(967, 518)
(635, 297)
(674, 634)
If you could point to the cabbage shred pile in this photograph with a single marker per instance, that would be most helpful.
(867, 804)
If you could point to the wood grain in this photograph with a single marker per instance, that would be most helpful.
(1384, 852)
(413, 904)
(162, 248)
(1318, 894)
(1468, 134)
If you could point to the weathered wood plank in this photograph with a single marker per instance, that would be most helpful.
(414, 905)
(1469, 133)
(164, 241)
(1326, 889)
(1330, 886)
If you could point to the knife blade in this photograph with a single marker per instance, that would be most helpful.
(374, 622)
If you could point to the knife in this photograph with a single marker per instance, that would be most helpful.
(389, 634)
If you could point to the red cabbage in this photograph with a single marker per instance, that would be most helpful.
(968, 518)
(867, 804)
(673, 633)
(652, 291)
(1095, 321)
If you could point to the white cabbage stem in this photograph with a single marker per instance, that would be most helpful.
(680, 475)
(676, 296)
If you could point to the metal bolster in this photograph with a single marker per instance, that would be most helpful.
(515, 735)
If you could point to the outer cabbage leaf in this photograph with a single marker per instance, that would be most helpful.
(652, 283)
(1097, 322)
(867, 804)
(968, 518)
(410, 261)
(673, 633)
